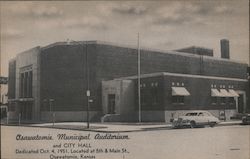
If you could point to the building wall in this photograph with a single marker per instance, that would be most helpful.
(197, 51)
(152, 116)
(63, 72)
(224, 68)
(200, 90)
(114, 61)
(199, 99)
(124, 95)
(24, 59)
(60, 116)
(111, 87)
(127, 92)
(64, 77)
(248, 86)
(4, 94)
(152, 94)
(12, 79)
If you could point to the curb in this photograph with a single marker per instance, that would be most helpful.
(162, 127)
(229, 124)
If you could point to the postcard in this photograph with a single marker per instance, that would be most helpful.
(125, 79)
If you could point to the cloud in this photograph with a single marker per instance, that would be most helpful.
(207, 9)
(90, 22)
(109, 20)
(223, 10)
(43, 11)
(129, 9)
(165, 44)
(174, 20)
(33, 10)
(190, 13)
(12, 34)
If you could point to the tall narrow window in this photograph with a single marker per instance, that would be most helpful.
(178, 99)
(30, 84)
(21, 85)
(223, 100)
(26, 82)
(154, 96)
(231, 100)
(214, 100)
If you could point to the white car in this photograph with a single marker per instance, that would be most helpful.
(195, 119)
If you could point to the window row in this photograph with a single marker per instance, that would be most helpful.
(222, 86)
(153, 84)
(214, 100)
(26, 84)
(222, 100)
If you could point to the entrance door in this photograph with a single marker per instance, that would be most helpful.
(111, 104)
(240, 103)
(3, 112)
(26, 111)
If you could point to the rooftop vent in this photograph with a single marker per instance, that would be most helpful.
(224, 47)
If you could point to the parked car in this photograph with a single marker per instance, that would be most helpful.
(246, 119)
(195, 119)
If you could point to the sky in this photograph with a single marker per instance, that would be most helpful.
(164, 25)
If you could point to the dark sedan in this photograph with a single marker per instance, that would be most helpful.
(246, 119)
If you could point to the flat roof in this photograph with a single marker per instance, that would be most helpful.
(142, 49)
(181, 75)
(194, 47)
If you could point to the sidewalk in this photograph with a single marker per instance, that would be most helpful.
(105, 127)
(111, 127)
(231, 122)
(115, 127)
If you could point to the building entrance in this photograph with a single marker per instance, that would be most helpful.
(111, 104)
(26, 110)
(4, 111)
(240, 103)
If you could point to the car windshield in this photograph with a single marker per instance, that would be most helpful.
(207, 114)
(191, 114)
(201, 114)
(198, 114)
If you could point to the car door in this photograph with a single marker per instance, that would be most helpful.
(209, 118)
(202, 119)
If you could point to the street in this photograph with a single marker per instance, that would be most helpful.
(224, 142)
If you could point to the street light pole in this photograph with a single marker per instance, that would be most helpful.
(88, 91)
(52, 110)
(87, 75)
(139, 79)
(88, 94)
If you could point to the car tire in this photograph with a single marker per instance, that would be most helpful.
(212, 124)
(192, 124)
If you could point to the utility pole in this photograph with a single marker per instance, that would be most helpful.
(139, 79)
(52, 113)
(86, 75)
(88, 91)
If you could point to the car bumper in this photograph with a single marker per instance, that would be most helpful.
(246, 122)
(180, 124)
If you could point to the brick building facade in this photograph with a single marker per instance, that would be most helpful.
(55, 79)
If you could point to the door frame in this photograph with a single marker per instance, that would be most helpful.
(113, 109)
(26, 110)
(243, 93)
